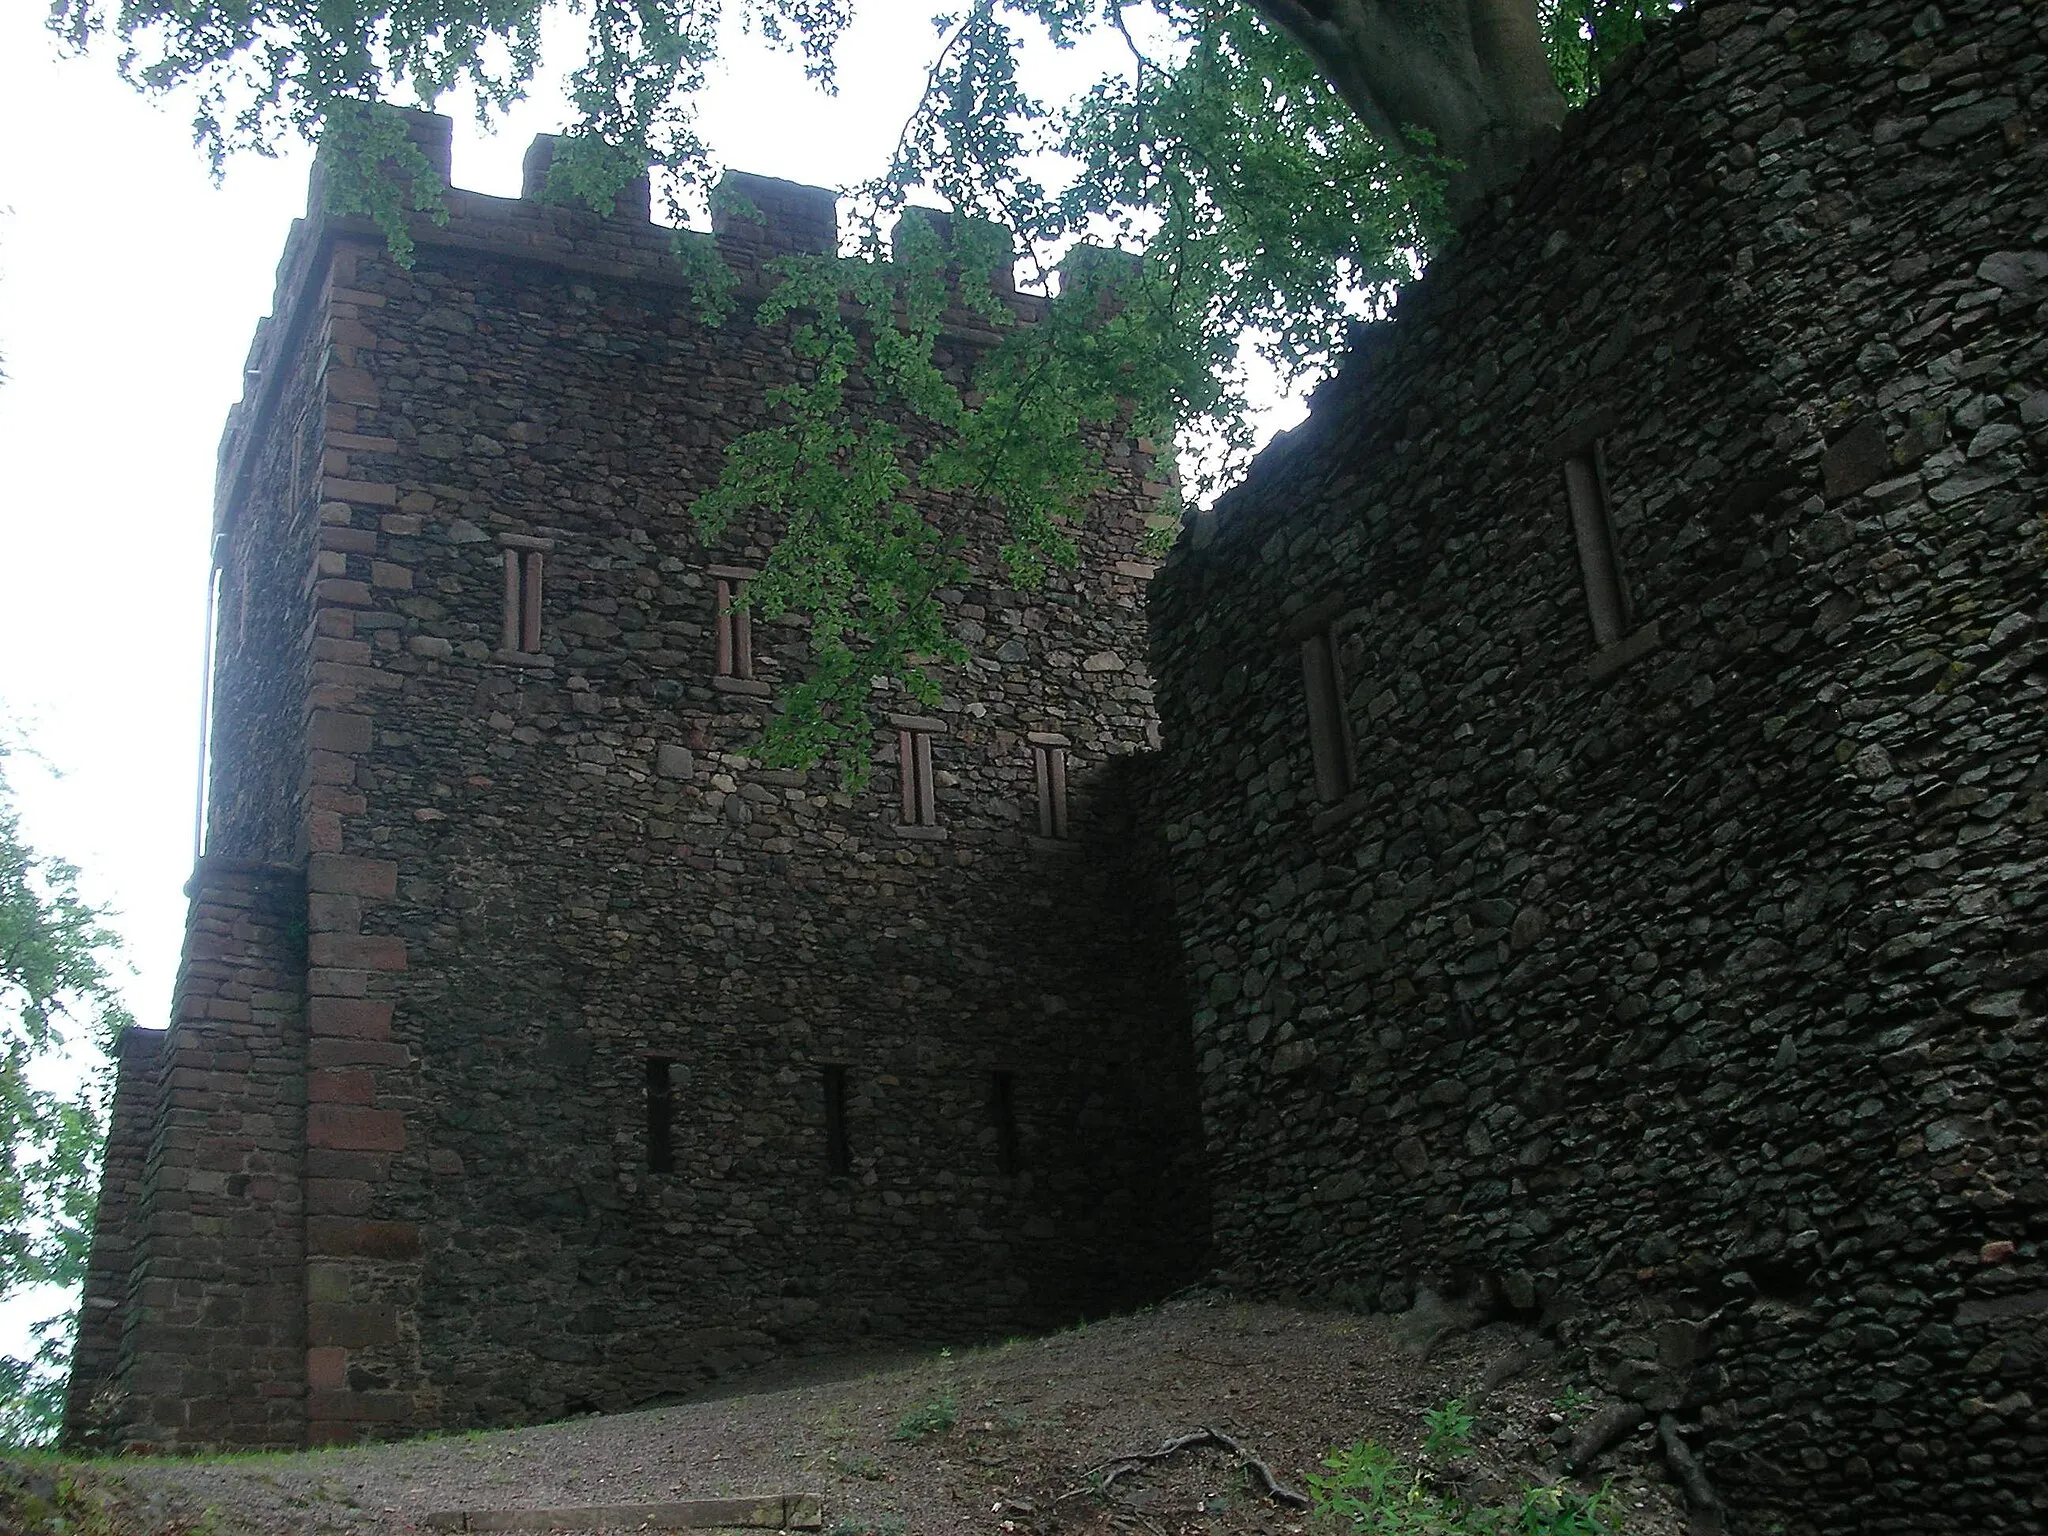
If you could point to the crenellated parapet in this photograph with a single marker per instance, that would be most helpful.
(757, 218)
(754, 221)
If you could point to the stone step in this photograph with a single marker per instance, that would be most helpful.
(767, 1512)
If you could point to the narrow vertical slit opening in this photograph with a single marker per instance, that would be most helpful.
(508, 636)
(838, 1151)
(732, 629)
(1050, 762)
(519, 629)
(1607, 601)
(529, 626)
(927, 789)
(1003, 1110)
(661, 1151)
(920, 805)
(906, 775)
(1329, 723)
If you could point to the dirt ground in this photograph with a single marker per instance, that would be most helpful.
(1031, 1419)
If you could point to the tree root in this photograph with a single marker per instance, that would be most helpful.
(1134, 1461)
(1691, 1476)
(1603, 1429)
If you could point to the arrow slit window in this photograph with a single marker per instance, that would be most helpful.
(519, 632)
(914, 763)
(1607, 599)
(838, 1149)
(1049, 769)
(661, 1151)
(732, 632)
(1329, 724)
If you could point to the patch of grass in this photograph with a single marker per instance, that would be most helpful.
(857, 1464)
(881, 1525)
(1571, 1402)
(44, 1496)
(1368, 1490)
(935, 1416)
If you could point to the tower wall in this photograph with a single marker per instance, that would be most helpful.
(1681, 986)
(212, 1320)
(593, 871)
(90, 1412)
(543, 865)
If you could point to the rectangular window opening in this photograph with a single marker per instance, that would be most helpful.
(1049, 761)
(732, 627)
(838, 1152)
(661, 1151)
(1607, 600)
(914, 768)
(1003, 1109)
(522, 601)
(1329, 723)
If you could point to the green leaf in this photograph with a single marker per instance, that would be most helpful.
(56, 996)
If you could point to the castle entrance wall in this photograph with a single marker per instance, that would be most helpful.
(1605, 778)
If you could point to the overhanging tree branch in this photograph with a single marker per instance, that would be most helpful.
(1471, 74)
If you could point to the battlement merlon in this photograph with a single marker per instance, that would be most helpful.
(754, 219)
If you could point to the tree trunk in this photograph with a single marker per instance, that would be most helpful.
(1471, 72)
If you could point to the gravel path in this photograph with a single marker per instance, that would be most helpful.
(1031, 1417)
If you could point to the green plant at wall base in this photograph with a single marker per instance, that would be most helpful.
(1551, 1509)
(935, 1417)
(1369, 1490)
(40, 1501)
(1447, 1431)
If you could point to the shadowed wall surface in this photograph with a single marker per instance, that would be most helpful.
(1680, 983)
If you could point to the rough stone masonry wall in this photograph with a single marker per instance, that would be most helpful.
(1692, 986)
(212, 1313)
(89, 1411)
(531, 873)
(266, 543)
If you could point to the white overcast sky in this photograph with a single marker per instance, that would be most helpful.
(129, 287)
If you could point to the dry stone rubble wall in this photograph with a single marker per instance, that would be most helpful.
(1685, 991)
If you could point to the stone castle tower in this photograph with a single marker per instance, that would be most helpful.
(535, 1048)
(1602, 787)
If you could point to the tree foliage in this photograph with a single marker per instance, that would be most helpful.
(1272, 183)
(58, 1012)
(1584, 38)
(1253, 210)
